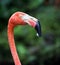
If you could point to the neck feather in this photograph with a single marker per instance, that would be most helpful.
(12, 44)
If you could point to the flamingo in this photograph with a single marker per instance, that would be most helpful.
(20, 18)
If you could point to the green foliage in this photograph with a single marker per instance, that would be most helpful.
(34, 3)
(22, 51)
(29, 46)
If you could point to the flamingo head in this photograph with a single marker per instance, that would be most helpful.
(32, 22)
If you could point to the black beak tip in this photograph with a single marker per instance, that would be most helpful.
(38, 28)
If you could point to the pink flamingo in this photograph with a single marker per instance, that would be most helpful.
(20, 18)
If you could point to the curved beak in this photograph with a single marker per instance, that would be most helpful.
(32, 22)
(35, 25)
(38, 28)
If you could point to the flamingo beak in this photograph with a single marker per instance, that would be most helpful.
(38, 28)
(32, 22)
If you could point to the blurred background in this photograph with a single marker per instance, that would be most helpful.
(32, 50)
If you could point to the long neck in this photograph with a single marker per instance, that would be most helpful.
(12, 45)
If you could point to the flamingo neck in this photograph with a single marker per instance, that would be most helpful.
(12, 45)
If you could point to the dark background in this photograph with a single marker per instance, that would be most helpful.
(31, 49)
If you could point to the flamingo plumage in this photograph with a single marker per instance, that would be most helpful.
(20, 18)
